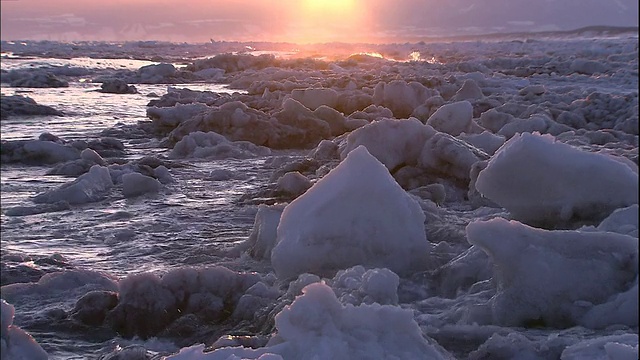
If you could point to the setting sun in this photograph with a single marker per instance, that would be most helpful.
(329, 20)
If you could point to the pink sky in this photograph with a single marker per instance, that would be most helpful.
(298, 20)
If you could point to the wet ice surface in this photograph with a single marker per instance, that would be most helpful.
(204, 216)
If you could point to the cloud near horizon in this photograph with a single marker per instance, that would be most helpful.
(299, 20)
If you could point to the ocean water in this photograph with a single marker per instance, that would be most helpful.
(195, 221)
(192, 223)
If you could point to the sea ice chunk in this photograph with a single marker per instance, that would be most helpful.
(400, 97)
(16, 343)
(393, 142)
(541, 181)
(612, 347)
(89, 187)
(317, 326)
(452, 118)
(355, 215)
(313, 98)
(552, 276)
(134, 184)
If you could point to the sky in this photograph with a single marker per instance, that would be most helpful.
(302, 21)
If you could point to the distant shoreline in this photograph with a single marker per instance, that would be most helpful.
(596, 30)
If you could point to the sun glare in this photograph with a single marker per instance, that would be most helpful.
(329, 20)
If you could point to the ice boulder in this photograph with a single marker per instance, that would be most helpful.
(148, 304)
(356, 285)
(168, 118)
(264, 232)
(39, 80)
(89, 187)
(611, 347)
(620, 309)
(450, 157)
(587, 67)
(156, 73)
(313, 98)
(317, 326)
(400, 97)
(622, 221)
(16, 105)
(117, 86)
(212, 145)
(15, 343)
(453, 118)
(552, 277)
(485, 141)
(293, 183)
(541, 181)
(135, 184)
(469, 91)
(393, 142)
(355, 215)
(37, 152)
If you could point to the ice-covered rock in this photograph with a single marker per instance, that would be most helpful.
(147, 303)
(39, 80)
(355, 215)
(156, 73)
(553, 277)
(89, 187)
(15, 343)
(37, 209)
(317, 326)
(117, 86)
(37, 152)
(452, 118)
(542, 181)
(393, 142)
(136, 184)
(18, 105)
(92, 156)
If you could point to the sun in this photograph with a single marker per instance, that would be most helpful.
(329, 7)
(328, 20)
